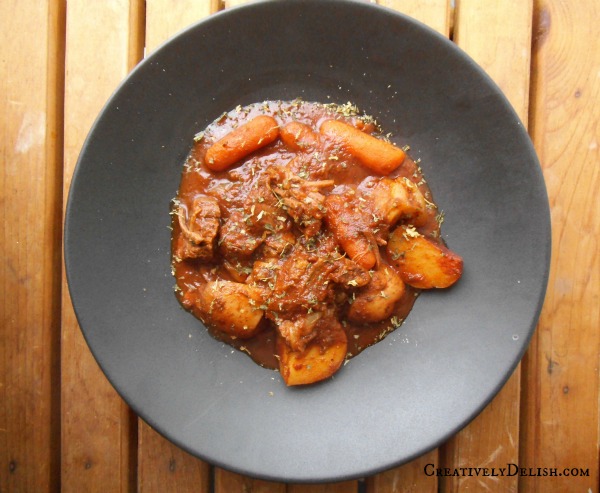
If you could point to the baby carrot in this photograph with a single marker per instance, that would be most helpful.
(241, 142)
(376, 154)
(347, 228)
(299, 136)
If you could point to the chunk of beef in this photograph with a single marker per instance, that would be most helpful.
(278, 244)
(301, 199)
(248, 228)
(302, 328)
(199, 227)
(305, 279)
(235, 239)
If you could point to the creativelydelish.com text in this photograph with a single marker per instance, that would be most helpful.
(508, 470)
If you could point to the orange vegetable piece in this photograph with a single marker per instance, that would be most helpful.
(376, 154)
(299, 136)
(232, 307)
(349, 231)
(241, 142)
(318, 361)
(422, 263)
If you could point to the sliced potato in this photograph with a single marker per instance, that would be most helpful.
(318, 361)
(422, 263)
(375, 302)
(232, 307)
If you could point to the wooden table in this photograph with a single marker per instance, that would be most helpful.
(63, 427)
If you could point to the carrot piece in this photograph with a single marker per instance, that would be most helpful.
(241, 142)
(349, 231)
(376, 154)
(299, 136)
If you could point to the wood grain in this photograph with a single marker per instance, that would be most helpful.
(437, 14)
(409, 478)
(164, 467)
(497, 35)
(229, 482)
(340, 487)
(98, 429)
(560, 398)
(491, 440)
(166, 18)
(234, 3)
(30, 206)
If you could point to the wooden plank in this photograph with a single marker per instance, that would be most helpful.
(98, 450)
(497, 35)
(229, 482)
(435, 13)
(162, 466)
(31, 64)
(234, 3)
(491, 440)
(340, 487)
(166, 18)
(410, 477)
(560, 425)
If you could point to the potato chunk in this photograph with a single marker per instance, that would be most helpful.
(399, 198)
(422, 263)
(375, 302)
(231, 307)
(318, 361)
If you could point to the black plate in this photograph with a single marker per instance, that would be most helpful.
(397, 399)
